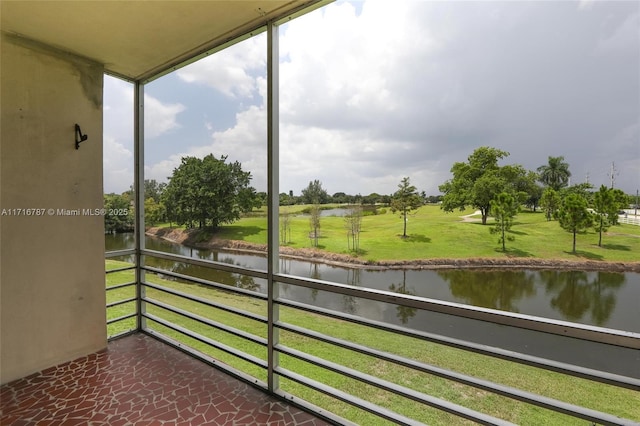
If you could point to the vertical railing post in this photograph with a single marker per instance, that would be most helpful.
(273, 201)
(138, 201)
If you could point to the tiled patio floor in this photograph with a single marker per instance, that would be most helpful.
(141, 381)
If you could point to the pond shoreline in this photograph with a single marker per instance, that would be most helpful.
(189, 239)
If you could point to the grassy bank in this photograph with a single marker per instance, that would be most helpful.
(434, 234)
(610, 399)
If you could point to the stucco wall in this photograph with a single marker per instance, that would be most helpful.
(52, 298)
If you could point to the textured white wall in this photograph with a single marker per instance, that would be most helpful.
(52, 297)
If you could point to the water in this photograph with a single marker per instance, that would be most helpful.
(605, 299)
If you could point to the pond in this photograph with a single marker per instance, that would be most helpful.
(604, 299)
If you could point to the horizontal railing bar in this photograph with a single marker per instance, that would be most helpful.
(206, 282)
(207, 302)
(119, 253)
(517, 394)
(124, 268)
(203, 339)
(121, 302)
(122, 334)
(205, 358)
(573, 370)
(312, 408)
(394, 388)
(206, 263)
(622, 338)
(121, 318)
(117, 286)
(347, 397)
(231, 330)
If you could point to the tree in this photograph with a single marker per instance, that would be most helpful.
(353, 223)
(534, 191)
(405, 200)
(504, 208)
(606, 204)
(285, 228)
(314, 193)
(314, 223)
(475, 183)
(555, 174)
(119, 215)
(550, 202)
(208, 192)
(574, 216)
(154, 212)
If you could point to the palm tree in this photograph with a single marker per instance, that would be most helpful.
(556, 174)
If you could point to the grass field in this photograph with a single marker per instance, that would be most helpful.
(435, 234)
(605, 398)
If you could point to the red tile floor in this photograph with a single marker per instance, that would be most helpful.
(138, 380)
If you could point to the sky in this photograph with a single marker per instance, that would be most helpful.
(372, 91)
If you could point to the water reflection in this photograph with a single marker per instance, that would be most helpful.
(597, 298)
(403, 313)
(491, 289)
(575, 294)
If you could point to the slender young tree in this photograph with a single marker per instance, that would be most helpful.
(285, 228)
(353, 223)
(550, 202)
(504, 208)
(574, 216)
(606, 204)
(405, 200)
(314, 224)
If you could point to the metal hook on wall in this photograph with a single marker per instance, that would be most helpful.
(79, 136)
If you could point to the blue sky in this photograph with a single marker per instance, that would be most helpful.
(373, 91)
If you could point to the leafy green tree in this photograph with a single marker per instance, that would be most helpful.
(555, 174)
(533, 191)
(287, 199)
(315, 194)
(574, 216)
(550, 202)
(154, 212)
(606, 204)
(341, 198)
(119, 216)
(504, 208)
(208, 192)
(581, 189)
(153, 189)
(475, 183)
(405, 200)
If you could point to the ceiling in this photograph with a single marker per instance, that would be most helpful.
(138, 39)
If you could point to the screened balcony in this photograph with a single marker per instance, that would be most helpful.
(310, 364)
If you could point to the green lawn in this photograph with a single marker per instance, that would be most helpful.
(605, 398)
(434, 234)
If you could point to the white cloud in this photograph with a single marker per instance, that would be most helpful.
(117, 166)
(118, 135)
(160, 117)
(230, 72)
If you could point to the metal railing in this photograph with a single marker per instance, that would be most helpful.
(229, 327)
(121, 295)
